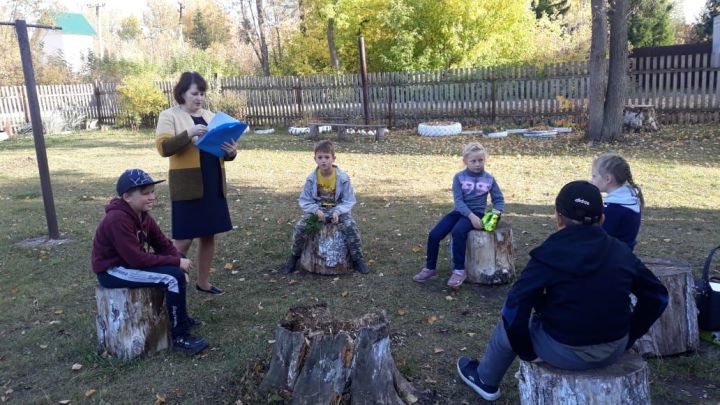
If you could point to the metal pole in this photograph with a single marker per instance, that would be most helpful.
(363, 79)
(30, 86)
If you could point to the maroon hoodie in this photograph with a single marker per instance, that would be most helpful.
(123, 239)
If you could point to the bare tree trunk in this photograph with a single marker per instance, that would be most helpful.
(617, 75)
(301, 14)
(598, 70)
(264, 59)
(334, 62)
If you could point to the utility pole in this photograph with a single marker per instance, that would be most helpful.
(181, 6)
(36, 121)
(99, 26)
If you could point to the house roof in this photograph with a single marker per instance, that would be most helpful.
(74, 24)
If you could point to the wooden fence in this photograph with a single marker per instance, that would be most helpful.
(684, 89)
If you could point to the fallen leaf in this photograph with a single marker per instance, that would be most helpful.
(402, 312)
(371, 261)
(58, 312)
(90, 393)
(64, 402)
(293, 281)
(344, 293)
(43, 347)
(431, 319)
(430, 381)
(438, 350)
(271, 341)
(9, 391)
(449, 298)
(76, 367)
(234, 272)
(228, 266)
(471, 334)
(212, 269)
(410, 398)
(416, 249)
(259, 306)
(159, 399)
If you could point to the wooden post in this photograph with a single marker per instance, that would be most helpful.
(363, 79)
(493, 101)
(299, 100)
(37, 127)
(98, 101)
(676, 331)
(391, 92)
(131, 321)
(623, 383)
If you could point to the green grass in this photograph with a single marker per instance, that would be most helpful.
(403, 187)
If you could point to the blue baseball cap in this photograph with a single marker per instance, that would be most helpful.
(133, 178)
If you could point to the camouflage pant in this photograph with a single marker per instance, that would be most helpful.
(348, 227)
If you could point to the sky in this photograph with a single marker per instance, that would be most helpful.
(690, 8)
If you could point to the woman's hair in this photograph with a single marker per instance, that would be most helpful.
(616, 166)
(186, 80)
(473, 147)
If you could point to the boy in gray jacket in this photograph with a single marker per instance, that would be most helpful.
(329, 195)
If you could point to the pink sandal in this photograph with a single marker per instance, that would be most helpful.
(457, 278)
(425, 275)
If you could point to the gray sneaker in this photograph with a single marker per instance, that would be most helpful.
(425, 275)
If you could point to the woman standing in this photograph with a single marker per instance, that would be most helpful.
(196, 178)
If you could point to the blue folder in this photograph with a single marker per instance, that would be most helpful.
(222, 128)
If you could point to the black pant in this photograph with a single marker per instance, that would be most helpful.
(171, 277)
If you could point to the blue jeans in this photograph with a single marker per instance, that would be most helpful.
(499, 354)
(459, 225)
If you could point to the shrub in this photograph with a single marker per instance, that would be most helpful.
(141, 101)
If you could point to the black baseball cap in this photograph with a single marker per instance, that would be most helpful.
(132, 178)
(580, 200)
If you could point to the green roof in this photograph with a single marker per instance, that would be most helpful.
(74, 24)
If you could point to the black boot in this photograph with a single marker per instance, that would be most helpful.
(360, 266)
(291, 264)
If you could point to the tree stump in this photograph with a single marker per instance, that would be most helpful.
(326, 252)
(640, 118)
(625, 382)
(489, 256)
(131, 321)
(676, 331)
(321, 360)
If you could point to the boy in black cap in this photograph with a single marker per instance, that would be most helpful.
(578, 282)
(121, 256)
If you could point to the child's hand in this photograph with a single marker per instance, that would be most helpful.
(335, 218)
(185, 264)
(476, 221)
(321, 215)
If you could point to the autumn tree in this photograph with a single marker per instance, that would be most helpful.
(703, 30)
(549, 8)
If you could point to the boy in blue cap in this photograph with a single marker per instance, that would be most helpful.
(121, 256)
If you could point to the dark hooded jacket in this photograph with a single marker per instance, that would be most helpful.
(124, 239)
(579, 283)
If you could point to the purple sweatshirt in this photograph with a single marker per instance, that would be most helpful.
(123, 239)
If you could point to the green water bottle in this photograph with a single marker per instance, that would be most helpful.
(490, 220)
(710, 337)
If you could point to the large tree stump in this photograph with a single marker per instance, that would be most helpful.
(326, 252)
(489, 256)
(625, 382)
(640, 118)
(321, 360)
(131, 321)
(676, 331)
